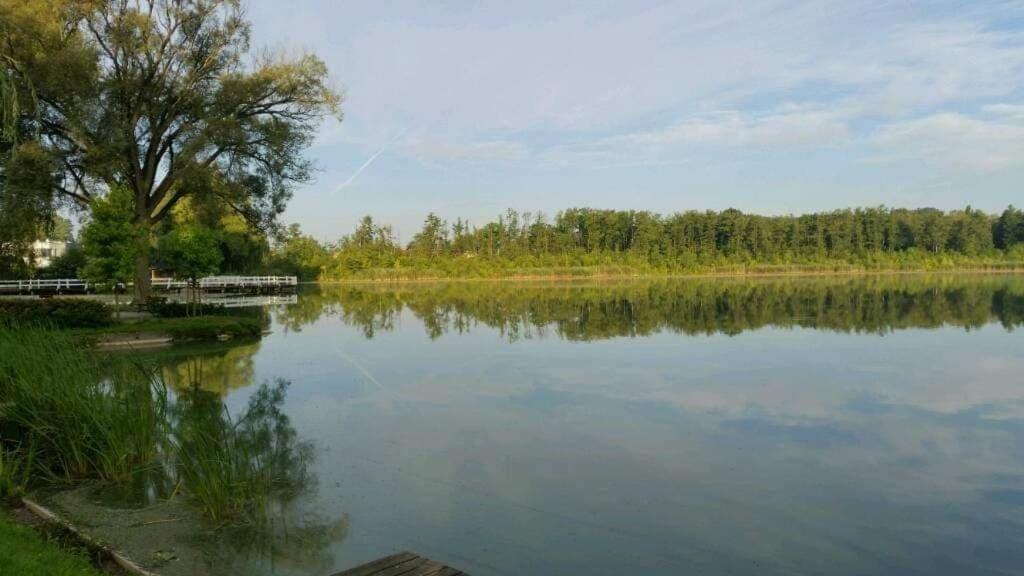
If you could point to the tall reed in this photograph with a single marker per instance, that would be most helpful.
(236, 468)
(85, 417)
(68, 415)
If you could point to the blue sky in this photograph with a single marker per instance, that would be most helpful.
(467, 108)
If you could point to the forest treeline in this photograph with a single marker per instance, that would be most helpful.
(599, 310)
(201, 238)
(640, 241)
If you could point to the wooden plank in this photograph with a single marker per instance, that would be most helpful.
(445, 571)
(407, 568)
(371, 568)
(402, 564)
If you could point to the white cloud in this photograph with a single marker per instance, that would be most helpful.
(648, 83)
(727, 131)
(1012, 111)
(513, 67)
(434, 149)
(954, 140)
(786, 129)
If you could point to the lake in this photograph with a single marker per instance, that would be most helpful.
(838, 425)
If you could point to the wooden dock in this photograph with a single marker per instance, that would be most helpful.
(402, 564)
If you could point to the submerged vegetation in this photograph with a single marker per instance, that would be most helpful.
(68, 416)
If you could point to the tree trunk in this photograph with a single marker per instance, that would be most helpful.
(143, 282)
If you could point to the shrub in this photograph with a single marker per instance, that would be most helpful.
(55, 312)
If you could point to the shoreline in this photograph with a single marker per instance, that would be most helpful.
(1013, 270)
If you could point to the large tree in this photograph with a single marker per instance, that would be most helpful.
(161, 98)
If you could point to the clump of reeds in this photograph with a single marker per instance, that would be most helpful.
(68, 415)
(235, 468)
(84, 418)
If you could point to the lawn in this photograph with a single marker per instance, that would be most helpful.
(23, 552)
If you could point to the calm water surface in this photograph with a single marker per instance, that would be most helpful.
(810, 426)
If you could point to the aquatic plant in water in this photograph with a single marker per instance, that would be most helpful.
(236, 468)
(82, 418)
(67, 415)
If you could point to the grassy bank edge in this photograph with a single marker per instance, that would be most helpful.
(27, 551)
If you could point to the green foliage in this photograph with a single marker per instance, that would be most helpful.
(584, 241)
(191, 251)
(297, 254)
(69, 265)
(241, 247)
(55, 312)
(25, 552)
(111, 240)
(1009, 229)
(15, 471)
(26, 203)
(158, 98)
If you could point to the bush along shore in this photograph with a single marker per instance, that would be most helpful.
(72, 418)
(94, 321)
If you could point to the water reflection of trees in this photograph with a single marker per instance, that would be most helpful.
(220, 369)
(594, 311)
(247, 472)
(239, 466)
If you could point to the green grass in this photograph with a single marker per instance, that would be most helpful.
(24, 552)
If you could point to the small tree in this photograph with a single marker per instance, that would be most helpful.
(192, 252)
(112, 242)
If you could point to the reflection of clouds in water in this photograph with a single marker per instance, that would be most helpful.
(777, 449)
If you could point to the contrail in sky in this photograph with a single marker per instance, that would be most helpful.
(359, 170)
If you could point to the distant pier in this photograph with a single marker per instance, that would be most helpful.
(45, 287)
(237, 284)
(221, 284)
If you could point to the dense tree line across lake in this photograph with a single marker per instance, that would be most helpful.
(203, 237)
(626, 240)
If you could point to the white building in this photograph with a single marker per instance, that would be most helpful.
(45, 251)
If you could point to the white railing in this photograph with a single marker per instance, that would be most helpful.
(210, 282)
(33, 286)
(229, 282)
